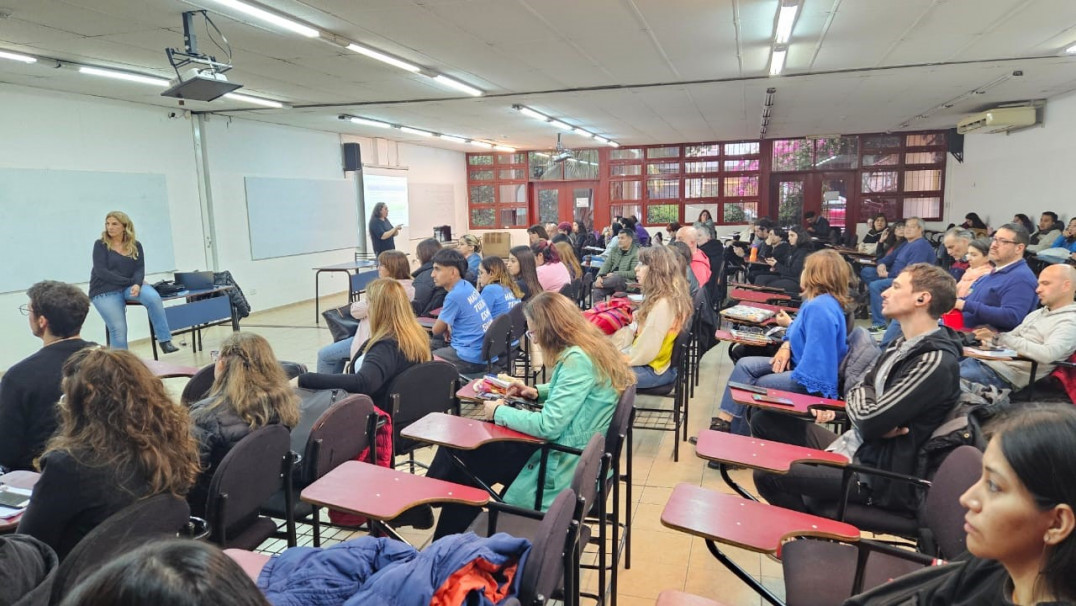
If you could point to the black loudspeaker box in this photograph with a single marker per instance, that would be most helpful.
(956, 144)
(352, 157)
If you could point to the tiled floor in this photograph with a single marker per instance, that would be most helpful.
(662, 558)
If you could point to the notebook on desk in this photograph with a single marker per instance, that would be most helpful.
(195, 280)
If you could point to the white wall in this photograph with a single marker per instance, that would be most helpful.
(1024, 172)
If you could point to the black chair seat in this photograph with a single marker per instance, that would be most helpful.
(277, 507)
(802, 559)
(518, 526)
(251, 536)
(660, 390)
(872, 518)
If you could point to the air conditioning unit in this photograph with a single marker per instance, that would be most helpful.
(997, 120)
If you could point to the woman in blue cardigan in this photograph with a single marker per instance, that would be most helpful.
(797, 366)
(589, 375)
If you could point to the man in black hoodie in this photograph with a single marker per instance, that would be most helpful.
(902, 399)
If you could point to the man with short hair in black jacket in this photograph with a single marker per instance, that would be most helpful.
(902, 399)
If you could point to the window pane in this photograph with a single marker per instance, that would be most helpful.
(924, 157)
(625, 210)
(481, 194)
(841, 152)
(479, 159)
(583, 166)
(629, 153)
(751, 164)
(513, 194)
(890, 207)
(482, 217)
(927, 139)
(792, 154)
(881, 142)
(876, 181)
(543, 168)
(708, 166)
(514, 217)
(881, 159)
(835, 201)
(548, 206)
(740, 187)
(512, 174)
(626, 190)
(790, 202)
(663, 189)
(740, 212)
(927, 208)
(922, 180)
(673, 151)
(703, 187)
(481, 175)
(625, 170)
(663, 168)
(662, 214)
(692, 212)
(741, 149)
(519, 158)
(702, 151)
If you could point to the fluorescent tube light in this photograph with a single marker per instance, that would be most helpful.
(277, 20)
(369, 122)
(526, 111)
(786, 17)
(456, 84)
(108, 73)
(17, 57)
(777, 61)
(482, 144)
(612, 144)
(600, 139)
(582, 133)
(382, 57)
(415, 131)
(254, 100)
(1071, 50)
(453, 139)
(504, 148)
(560, 125)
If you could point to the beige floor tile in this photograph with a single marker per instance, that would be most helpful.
(648, 580)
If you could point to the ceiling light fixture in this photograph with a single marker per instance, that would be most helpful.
(456, 84)
(777, 60)
(1071, 50)
(537, 115)
(504, 148)
(786, 18)
(254, 100)
(582, 133)
(17, 57)
(560, 125)
(367, 122)
(415, 131)
(526, 111)
(118, 75)
(767, 111)
(273, 18)
(482, 144)
(452, 139)
(382, 57)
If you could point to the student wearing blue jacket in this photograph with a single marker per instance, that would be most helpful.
(916, 249)
(499, 290)
(1003, 298)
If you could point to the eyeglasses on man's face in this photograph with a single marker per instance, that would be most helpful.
(24, 309)
(998, 240)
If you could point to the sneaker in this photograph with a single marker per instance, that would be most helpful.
(877, 329)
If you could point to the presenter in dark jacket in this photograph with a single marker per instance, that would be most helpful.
(121, 439)
(397, 342)
(119, 267)
(250, 391)
(382, 233)
(428, 296)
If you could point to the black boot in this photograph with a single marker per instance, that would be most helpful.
(167, 347)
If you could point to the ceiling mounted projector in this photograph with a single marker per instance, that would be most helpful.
(562, 153)
(204, 83)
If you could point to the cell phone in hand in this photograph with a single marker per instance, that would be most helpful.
(772, 400)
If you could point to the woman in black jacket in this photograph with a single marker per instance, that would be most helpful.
(397, 342)
(786, 274)
(428, 296)
(250, 390)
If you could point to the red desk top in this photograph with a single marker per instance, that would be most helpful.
(462, 433)
(16, 479)
(426, 323)
(757, 296)
(164, 370)
(467, 392)
(251, 562)
(773, 457)
(801, 403)
(733, 520)
(745, 286)
(382, 493)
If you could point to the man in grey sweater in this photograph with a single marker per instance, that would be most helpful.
(1046, 335)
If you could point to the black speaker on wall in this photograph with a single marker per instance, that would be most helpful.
(956, 144)
(352, 157)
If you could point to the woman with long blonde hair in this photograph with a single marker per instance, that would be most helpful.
(250, 390)
(121, 439)
(119, 267)
(820, 321)
(499, 290)
(397, 342)
(568, 258)
(589, 375)
(665, 310)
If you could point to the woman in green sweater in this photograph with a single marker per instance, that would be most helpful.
(589, 375)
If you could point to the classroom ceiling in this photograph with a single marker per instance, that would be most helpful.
(636, 71)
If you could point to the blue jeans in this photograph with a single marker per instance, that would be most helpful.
(332, 358)
(754, 370)
(868, 274)
(977, 372)
(875, 288)
(647, 378)
(113, 309)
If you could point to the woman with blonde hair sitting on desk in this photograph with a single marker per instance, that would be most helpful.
(589, 375)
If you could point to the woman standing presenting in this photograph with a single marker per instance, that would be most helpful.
(382, 233)
(119, 266)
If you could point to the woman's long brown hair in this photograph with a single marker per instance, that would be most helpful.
(391, 317)
(253, 383)
(567, 257)
(116, 414)
(498, 273)
(664, 280)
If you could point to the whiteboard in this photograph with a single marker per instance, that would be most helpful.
(298, 216)
(432, 205)
(49, 220)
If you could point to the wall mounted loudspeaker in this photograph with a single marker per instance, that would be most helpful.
(956, 144)
(352, 157)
